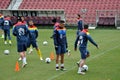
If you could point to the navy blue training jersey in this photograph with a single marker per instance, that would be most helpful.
(20, 30)
(83, 38)
(7, 24)
(33, 33)
(60, 37)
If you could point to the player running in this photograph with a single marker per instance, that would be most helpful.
(20, 30)
(6, 27)
(83, 37)
(32, 38)
(60, 43)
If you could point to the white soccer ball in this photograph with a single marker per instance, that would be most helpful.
(85, 68)
(6, 52)
(47, 60)
(45, 43)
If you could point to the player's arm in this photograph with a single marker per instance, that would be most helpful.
(36, 32)
(10, 22)
(55, 38)
(14, 31)
(76, 41)
(92, 41)
(66, 42)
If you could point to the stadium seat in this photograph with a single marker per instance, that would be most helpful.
(73, 7)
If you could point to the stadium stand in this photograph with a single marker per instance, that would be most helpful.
(73, 7)
(4, 4)
(87, 8)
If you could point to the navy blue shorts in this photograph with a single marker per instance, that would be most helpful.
(84, 52)
(33, 43)
(22, 47)
(61, 49)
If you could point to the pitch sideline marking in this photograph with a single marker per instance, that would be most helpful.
(99, 54)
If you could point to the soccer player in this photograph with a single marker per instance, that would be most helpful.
(56, 24)
(80, 23)
(60, 43)
(1, 24)
(6, 27)
(83, 37)
(20, 30)
(23, 21)
(32, 38)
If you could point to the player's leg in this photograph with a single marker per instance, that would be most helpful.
(83, 58)
(30, 50)
(5, 36)
(34, 44)
(2, 32)
(24, 54)
(57, 56)
(9, 37)
(63, 51)
(57, 61)
(22, 47)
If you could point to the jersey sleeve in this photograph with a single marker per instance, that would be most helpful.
(14, 31)
(55, 38)
(91, 40)
(36, 32)
(76, 41)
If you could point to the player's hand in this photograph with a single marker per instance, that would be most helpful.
(56, 47)
(75, 49)
(97, 47)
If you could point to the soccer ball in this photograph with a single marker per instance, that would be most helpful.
(6, 52)
(85, 68)
(47, 60)
(45, 43)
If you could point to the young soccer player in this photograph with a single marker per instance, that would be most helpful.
(60, 43)
(6, 27)
(56, 24)
(32, 38)
(1, 25)
(80, 23)
(23, 21)
(83, 37)
(20, 30)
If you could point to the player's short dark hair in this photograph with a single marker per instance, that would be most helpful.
(78, 15)
(86, 26)
(62, 21)
(54, 20)
(19, 18)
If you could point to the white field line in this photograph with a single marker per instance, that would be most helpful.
(96, 56)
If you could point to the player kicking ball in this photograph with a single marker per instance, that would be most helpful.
(32, 38)
(83, 38)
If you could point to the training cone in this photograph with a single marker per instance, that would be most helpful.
(52, 56)
(17, 68)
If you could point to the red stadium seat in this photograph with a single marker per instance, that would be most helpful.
(72, 7)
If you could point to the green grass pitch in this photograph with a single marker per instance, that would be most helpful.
(104, 63)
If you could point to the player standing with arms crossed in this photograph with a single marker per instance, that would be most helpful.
(20, 30)
(83, 37)
(60, 43)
